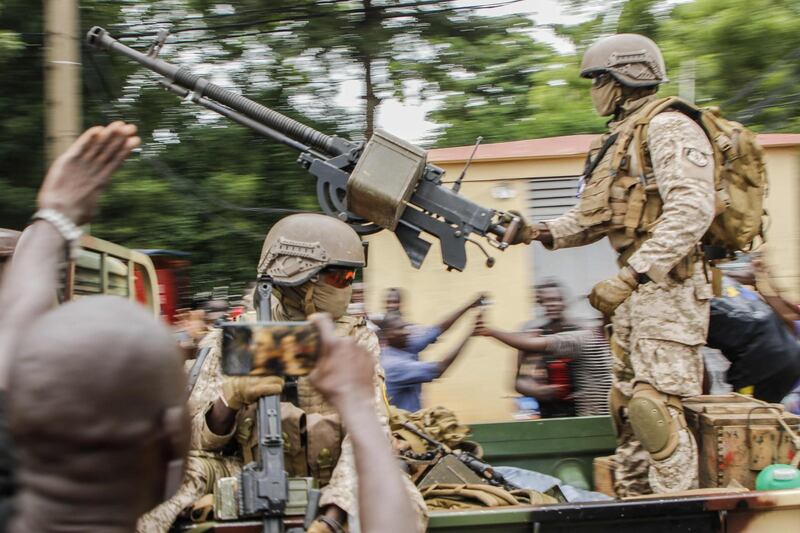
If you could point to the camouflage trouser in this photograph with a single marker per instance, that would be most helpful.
(672, 368)
(202, 471)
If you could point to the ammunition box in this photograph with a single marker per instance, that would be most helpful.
(384, 178)
(226, 498)
(737, 437)
(298, 495)
(450, 470)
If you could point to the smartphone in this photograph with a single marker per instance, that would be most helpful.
(269, 348)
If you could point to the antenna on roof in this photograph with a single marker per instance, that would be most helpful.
(457, 183)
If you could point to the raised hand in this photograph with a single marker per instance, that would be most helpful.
(345, 370)
(76, 178)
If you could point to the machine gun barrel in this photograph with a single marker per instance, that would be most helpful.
(183, 77)
(385, 183)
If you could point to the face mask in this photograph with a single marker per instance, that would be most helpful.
(606, 97)
(326, 298)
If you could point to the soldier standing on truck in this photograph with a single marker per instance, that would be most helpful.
(654, 210)
(312, 261)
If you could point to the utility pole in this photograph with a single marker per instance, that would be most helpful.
(62, 75)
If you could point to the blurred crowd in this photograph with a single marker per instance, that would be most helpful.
(564, 367)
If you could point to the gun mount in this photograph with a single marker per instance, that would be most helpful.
(386, 183)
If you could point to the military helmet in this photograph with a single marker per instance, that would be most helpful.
(633, 60)
(299, 246)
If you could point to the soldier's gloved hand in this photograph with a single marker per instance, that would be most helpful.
(607, 295)
(526, 233)
(238, 391)
(318, 526)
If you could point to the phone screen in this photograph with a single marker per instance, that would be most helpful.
(269, 348)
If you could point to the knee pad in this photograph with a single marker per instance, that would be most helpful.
(653, 424)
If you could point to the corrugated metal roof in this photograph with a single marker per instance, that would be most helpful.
(556, 147)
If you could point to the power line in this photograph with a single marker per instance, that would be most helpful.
(244, 12)
(284, 30)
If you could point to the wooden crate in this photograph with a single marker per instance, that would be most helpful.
(738, 437)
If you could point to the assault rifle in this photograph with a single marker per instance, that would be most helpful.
(263, 485)
(383, 184)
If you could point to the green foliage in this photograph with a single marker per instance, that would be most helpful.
(746, 57)
(209, 187)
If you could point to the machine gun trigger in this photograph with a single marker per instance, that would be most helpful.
(490, 261)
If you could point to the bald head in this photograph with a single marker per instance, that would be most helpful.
(96, 404)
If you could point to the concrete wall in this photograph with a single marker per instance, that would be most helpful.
(783, 206)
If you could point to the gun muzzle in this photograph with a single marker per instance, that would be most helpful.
(98, 38)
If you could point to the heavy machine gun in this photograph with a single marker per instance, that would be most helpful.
(385, 183)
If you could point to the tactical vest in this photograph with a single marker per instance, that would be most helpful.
(619, 191)
(312, 431)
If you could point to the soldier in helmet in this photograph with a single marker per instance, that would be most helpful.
(312, 261)
(649, 187)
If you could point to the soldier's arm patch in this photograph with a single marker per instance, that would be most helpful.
(696, 157)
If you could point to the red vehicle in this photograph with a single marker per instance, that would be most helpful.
(172, 272)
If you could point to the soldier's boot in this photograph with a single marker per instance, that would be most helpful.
(631, 461)
(659, 424)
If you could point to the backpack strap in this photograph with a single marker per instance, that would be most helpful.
(591, 164)
(648, 203)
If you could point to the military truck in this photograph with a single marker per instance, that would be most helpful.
(566, 448)
(103, 267)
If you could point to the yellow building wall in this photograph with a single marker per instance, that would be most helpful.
(479, 386)
(783, 206)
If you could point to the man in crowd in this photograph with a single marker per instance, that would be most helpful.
(345, 375)
(655, 210)
(533, 368)
(311, 260)
(405, 373)
(587, 381)
(756, 332)
(787, 311)
(100, 437)
(75, 412)
(393, 303)
(216, 311)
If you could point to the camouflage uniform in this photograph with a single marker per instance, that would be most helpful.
(661, 328)
(207, 463)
